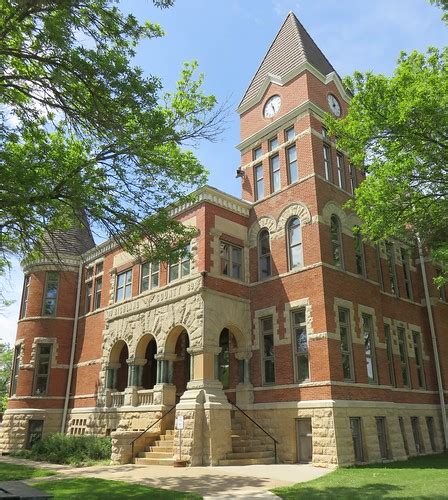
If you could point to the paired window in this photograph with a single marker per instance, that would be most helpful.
(417, 341)
(94, 287)
(390, 355)
(267, 349)
(383, 440)
(295, 250)
(407, 273)
(327, 163)
(291, 161)
(42, 371)
(391, 266)
(404, 363)
(264, 254)
(15, 370)
(124, 286)
(259, 181)
(346, 343)
(336, 241)
(369, 348)
(24, 303)
(231, 260)
(181, 267)
(340, 167)
(359, 253)
(300, 344)
(149, 276)
(89, 288)
(51, 294)
(274, 167)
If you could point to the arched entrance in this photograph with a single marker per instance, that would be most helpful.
(118, 374)
(145, 357)
(181, 365)
(227, 363)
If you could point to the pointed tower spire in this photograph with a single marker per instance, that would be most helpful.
(291, 47)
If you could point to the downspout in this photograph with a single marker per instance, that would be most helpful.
(434, 343)
(72, 352)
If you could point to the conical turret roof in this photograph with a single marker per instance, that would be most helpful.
(291, 47)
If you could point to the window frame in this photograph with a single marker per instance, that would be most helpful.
(258, 181)
(15, 370)
(442, 289)
(97, 293)
(390, 355)
(88, 297)
(298, 362)
(39, 362)
(419, 362)
(383, 438)
(273, 143)
(403, 435)
(45, 296)
(153, 270)
(287, 132)
(39, 422)
(349, 351)
(359, 254)
(179, 264)
(392, 268)
(266, 256)
(263, 334)
(404, 356)
(230, 261)
(275, 175)
(353, 178)
(357, 439)
(417, 433)
(406, 273)
(294, 164)
(291, 246)
(127, 283)
(335, 244)
(328, 168)
(431, 432)
(257, 153)
(340, 166)
(25, 293)
(373, 379)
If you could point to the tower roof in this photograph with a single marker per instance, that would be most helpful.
(291, 47)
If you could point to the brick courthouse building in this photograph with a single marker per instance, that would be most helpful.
(323, 340)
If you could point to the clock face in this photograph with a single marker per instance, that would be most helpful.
(272, 106)
(335, 107)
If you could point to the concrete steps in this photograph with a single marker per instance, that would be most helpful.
(160, 452)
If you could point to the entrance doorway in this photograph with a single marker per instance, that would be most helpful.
(304, 440)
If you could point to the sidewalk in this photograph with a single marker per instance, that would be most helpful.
(251, 481)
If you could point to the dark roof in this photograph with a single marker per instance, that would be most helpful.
(74, 241)
(291, 47)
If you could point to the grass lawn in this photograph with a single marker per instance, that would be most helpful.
(12, 472)
(420, 477)
(92, 489)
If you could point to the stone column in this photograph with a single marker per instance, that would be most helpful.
(111, 380)
(131, 391)
(164, 390)
(206, 410)
(244, 390)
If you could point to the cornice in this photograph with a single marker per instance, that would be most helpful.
(278, 80)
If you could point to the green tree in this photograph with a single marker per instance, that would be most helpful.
(6, 359)
(84, 132)
(397, 129)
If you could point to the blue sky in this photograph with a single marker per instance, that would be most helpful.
(229, 39)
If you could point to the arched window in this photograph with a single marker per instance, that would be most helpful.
(264, 254)
(294, 243)
(336, 242)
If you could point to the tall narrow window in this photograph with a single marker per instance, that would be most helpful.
(289, 134)
(415, 423)
(419, 359)
(181, 267)
(291, 160)
(124, 286)
(256, 153)
(369, 348)
(97, 297)
(51, 294)
(391, 266)
(223, 359)
(353, 179)
(42, 373)
(24, 303)
(390, 355)
(442, 289)
(267, 340)
(403, 435)
(431, 433)
(336, 243)
(231, 260)
(358, 445)
(273, 143)
(295, 243)
(378, 267)
(264, 253)
(404, 364)
(407, 273)
(300, 344)
(259, 182)
(274, 164)
(359, 253)
(382, 437)
(15, 370)
(35, 429)
(327, 163)
(149, 276)
(341, 173)
(88, 303)
(346, 343)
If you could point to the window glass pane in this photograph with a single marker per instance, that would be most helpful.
(269, 371)
(290, 134)
(259, 184)
(267, 324)
(294, 232)
(275, 172)
(293, 172)
(256, 153)
(273, 143)
(296, 256)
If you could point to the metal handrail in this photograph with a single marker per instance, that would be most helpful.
(147, 429)
(259, 426)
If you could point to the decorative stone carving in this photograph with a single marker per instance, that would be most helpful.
(264, 222)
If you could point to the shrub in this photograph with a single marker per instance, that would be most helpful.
(73, 450)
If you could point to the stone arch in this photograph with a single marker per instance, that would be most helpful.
(332, 208)
(115, 351)
(142, 344)
(294, 210)
(171, 339)
(262, 223)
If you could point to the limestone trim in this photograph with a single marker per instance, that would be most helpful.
(284, 188)
(342, 403)
(51, 318)
(332, 208)
(67, 263)
(90, 362)
(265, 222)
(408, 336)
(290, 307)
(416, 328)
(21, 398)
(54, 351)
(370, 311)
(293, 210)
(258, 315)
(346, 304)
(324, 335)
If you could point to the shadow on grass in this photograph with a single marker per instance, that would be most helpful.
(13, 472)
